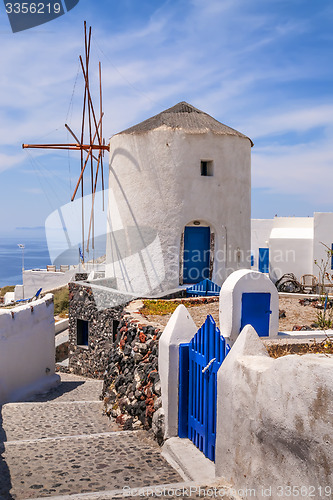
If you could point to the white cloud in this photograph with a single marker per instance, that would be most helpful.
(296, 120)
(32, 190)
(232, 59)
(8, 161)
(146, 66)
(305, 169)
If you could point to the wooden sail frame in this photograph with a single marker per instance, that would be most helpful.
(93, 149)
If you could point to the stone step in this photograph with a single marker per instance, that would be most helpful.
(173, 491)
(188, 460)
(82, 464)
(218, 489)
(61, 338)
(64, 363)
(73, 388)
(30, 421)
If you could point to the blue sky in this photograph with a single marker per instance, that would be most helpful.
(262, 67)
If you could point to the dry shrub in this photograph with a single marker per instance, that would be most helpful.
(323, 347)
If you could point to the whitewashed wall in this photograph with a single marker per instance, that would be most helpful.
(291, 246)
(47, 280)
(9, 297)
(179, 330)
(27, 350)
(18, 292)
(260, 233)
(323, 233)
(290, 241)
(274, 421)
(158, 189)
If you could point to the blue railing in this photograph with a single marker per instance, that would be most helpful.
(204, 288)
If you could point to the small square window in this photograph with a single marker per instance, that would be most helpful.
(82, 332)
(206, 168)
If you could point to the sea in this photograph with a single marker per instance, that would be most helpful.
(36, 256)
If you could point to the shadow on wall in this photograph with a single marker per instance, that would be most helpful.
(5, 482)
(141, 237)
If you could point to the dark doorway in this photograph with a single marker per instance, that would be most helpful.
(82, 332)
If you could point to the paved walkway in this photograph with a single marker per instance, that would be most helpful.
(60, 444)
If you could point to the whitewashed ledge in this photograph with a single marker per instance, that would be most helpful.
(27, 350)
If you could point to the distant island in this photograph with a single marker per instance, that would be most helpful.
(36, 228)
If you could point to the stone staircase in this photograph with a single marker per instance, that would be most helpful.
(61, 445)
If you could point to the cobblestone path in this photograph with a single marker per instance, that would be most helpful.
(60, 444)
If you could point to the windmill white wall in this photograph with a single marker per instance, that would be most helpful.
(158, 189)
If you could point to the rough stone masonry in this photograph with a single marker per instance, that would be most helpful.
(132, 386)
(124, 353)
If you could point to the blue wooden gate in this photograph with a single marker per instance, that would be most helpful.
(196, 254)
(256, 311)
(199, 361)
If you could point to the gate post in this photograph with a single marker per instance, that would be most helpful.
(179, 330)
(183, 390)
(245, 282)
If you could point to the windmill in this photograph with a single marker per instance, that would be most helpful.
(90, 142)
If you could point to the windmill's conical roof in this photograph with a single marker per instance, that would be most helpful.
(186, 117)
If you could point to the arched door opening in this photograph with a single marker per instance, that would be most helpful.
(197, 253)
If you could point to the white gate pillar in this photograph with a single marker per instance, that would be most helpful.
(179, 330)
(230, 309)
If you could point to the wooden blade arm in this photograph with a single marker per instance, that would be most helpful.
(73, 135)
(85, 164)
(65, 146)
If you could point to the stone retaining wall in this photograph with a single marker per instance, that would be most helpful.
(122, 349)
(81, 276)
(132, 386)
(92, 359)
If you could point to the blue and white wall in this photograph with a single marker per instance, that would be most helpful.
(292, 243)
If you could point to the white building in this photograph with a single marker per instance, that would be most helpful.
(291, 244)
(179, 201)
(27, 350)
